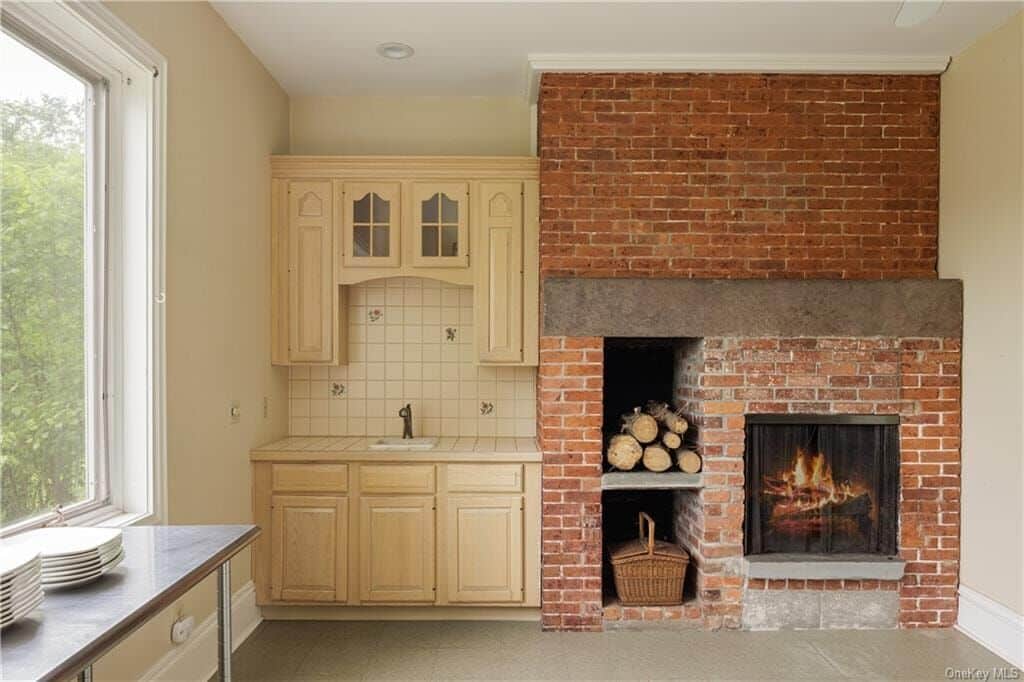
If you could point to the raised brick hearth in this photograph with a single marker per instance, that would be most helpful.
(747, 177)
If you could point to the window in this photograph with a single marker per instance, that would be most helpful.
(49, 450)
(81, 272)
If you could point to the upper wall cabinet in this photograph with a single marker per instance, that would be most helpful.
(306, 299)
(441, 227)
(337, 221)
(371, 224)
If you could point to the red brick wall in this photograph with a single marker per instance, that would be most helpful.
(569, 393)
(739, 175)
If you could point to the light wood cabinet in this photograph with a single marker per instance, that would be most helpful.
(339, 221)
(484, 541)
(309, 311)
(396, 549)
(397, 533)
(440, 225)
(310, 548)
(371, 224)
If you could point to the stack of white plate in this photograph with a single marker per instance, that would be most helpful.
(21, 589)
(73, 556)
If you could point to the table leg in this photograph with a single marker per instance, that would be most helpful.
(85, 674)
(224, 622)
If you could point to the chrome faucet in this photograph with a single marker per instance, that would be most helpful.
(406, 414)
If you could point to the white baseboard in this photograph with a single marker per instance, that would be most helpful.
(992, 625)
(196, 659)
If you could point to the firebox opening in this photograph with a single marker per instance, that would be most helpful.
(819, 484)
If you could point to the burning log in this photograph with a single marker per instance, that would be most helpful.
(624, 451)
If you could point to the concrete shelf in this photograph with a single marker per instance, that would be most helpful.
(649, 480)
(835, 567)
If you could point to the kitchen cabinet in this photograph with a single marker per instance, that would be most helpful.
(371, 224)
(310, 548)
(484, 541)
(441, 225)
(309, 310)
(383, 532)
(396, 549)
(338, 221)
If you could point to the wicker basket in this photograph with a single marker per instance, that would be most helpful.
(649, 572)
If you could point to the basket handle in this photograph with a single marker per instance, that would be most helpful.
(644, 516)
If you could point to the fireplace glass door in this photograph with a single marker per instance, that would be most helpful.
(821, 485)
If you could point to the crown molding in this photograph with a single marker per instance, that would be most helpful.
(538, 64)
(380, 167)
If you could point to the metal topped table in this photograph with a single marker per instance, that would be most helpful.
(74, 627)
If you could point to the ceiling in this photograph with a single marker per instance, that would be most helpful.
(483, 48)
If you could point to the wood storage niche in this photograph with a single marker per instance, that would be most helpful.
(649, 572)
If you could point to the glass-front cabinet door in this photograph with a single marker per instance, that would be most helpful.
(440, 224)
(371, 224)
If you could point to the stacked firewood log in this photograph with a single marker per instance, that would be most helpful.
(653, 436)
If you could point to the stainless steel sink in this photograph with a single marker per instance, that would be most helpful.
(397, 443)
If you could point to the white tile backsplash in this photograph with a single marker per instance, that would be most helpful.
(411, 340)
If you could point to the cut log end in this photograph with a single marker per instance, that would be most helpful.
(671, 418)
(641, 426)
(688, 461)
(624, 451)
(671, 440)
(656, 458)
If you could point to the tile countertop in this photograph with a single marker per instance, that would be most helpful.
(352, 448)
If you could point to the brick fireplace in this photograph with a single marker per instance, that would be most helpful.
(684, 206)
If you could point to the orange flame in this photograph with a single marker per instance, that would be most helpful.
(808, 486)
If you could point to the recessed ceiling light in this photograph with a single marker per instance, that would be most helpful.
(394, 50)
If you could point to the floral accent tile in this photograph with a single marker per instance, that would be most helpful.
(337, 389)
(486, 408)
(375, 314)
(450, 333)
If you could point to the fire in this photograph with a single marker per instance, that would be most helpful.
(808, 486)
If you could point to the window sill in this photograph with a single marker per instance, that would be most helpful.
(107, 516)
(112, 517)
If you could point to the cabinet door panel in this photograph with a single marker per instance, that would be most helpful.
(310, 548)
(396, 549)
(484, 548)
(310, 272)
(441, 224)
(371, 223)
(500, 273)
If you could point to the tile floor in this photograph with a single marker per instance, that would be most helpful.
(308, 650)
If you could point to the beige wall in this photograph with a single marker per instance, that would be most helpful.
(226, 115)
(981, 240)
(471, 126)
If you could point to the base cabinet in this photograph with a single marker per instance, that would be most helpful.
(393, 534)
(309, 540)
(396, 549)
(484, 540)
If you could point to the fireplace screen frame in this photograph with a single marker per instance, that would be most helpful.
(888, 511)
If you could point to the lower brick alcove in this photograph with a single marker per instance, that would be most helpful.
(723, 378)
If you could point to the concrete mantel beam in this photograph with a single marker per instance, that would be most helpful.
(662, 307)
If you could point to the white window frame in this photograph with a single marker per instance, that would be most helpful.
(127, 214)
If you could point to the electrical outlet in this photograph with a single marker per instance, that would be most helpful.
(235, 412)
(182, 629)
(266, 407)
